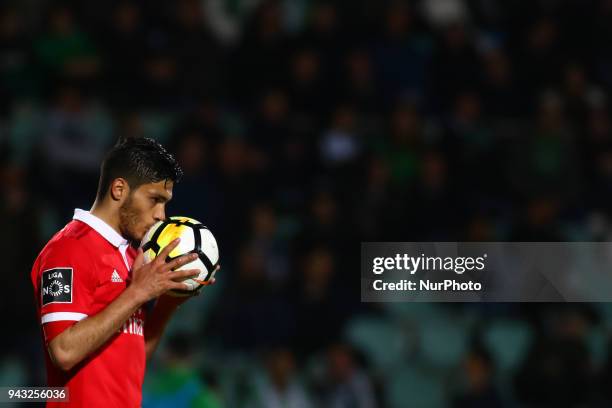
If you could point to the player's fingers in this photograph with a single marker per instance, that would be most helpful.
(180, 261)
(179, 286)
(161, 258)
(139, 261)
(187, 273)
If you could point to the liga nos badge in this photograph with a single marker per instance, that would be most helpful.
(56, 286)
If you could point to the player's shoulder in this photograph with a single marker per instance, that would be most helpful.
(72, 240)
(74, 246)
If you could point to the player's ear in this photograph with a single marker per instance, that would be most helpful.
(119, 189)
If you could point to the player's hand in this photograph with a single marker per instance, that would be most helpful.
(150, 280)
(171, 302)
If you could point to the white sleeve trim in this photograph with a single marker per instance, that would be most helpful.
(62, 316)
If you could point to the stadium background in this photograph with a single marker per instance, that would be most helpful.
(305, 127)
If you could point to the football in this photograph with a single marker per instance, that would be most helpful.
(195, 238)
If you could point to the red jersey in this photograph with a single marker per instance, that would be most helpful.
(78, 273)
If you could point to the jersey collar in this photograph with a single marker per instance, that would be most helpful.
(100, 227)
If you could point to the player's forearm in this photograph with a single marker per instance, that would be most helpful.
(77, 342)
(158, 320)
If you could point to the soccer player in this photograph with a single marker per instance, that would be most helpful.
(101, 307)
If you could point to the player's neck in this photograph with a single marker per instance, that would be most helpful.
(106, 214)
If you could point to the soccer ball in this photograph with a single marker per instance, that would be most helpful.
(195, 238)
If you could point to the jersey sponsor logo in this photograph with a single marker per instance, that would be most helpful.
(56, 286)
(135, 324)
(115, 277)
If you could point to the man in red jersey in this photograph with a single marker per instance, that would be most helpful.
(91, 285)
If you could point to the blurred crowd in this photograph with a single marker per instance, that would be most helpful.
(305, 127)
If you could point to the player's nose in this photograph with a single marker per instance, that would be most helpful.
(159, 214)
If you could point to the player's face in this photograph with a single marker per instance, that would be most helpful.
(143, 207)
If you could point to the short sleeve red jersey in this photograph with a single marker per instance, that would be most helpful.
(81, 270)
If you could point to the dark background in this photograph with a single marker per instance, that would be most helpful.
(304, 128)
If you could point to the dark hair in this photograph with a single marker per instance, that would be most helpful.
(138, 160)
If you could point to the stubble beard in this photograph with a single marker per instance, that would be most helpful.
(128, 220)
